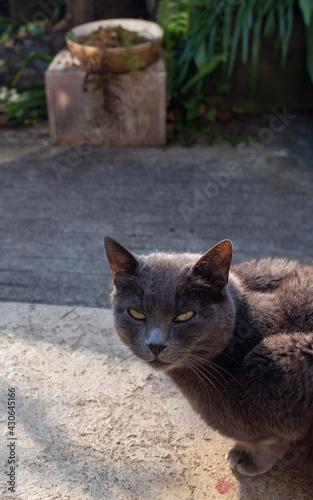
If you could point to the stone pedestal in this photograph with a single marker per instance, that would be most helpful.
(76, 114)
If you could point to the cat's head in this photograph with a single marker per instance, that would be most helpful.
(171, 308)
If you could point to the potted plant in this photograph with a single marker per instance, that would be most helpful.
(115, 45)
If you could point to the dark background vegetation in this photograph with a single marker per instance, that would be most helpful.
(224, 58)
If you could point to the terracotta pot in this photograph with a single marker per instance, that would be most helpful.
(116, 58)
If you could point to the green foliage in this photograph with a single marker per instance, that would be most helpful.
(25, 104)
(205, 68)
(174, 15)
(211, 116)
(211, 131)
(9, 30)
(306, 7)
(70, 35)
(29, 57)
(201, 35)
(33, 29)
(6, 28)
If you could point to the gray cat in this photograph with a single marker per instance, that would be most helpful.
(238, 344)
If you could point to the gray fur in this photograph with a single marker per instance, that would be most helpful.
(244, 360)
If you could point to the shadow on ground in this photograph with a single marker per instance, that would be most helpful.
(57, 203)
(93, 425)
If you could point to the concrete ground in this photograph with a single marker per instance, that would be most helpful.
(90, 425)
(57, 203)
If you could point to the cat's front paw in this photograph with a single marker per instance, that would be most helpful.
(245, 463)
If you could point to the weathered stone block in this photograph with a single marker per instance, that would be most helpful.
(76, 114)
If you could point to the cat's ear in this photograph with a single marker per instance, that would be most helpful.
(213, 268)
(121, 261)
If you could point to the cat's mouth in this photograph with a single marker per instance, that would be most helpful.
(156, 363)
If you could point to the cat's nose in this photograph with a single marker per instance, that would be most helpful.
(156, 348)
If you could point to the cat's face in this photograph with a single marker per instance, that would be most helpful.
(172, 309)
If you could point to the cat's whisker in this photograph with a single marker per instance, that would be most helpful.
(131, 355)
(211, 381)
(130, 363)
(207, 378)
(207, 387)
(124, 350)
(120, 361)
(206, 362)
(217, 368)
(218, 353)
(131, 360)
(209, 374)
(228, 373)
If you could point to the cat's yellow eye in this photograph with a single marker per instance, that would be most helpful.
(136, 314)
(185, 316)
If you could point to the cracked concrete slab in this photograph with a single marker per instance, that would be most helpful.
(92, 423)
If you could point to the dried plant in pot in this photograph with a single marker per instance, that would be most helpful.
(146, 46)
(107, 48)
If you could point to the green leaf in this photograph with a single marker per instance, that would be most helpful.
(29, 57)
(247, 21)
(70, 35)
(35, 29)
(286, 38)
(205, 70)
(212, 40)
(306, 7)
(22, 31)
(226, 35)
(200, 56)
(184, 62)
(223, 88)
(211, 115)
(178, 23)
(237, 110)
(192, 104)
(25, 103)
(245, 44)
(270, 23)
(309, 48)
(255, 50)
(192, 115)
(234, 48)
(6, 35)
